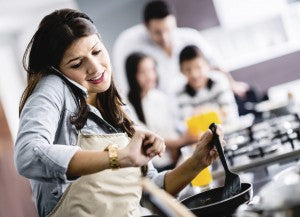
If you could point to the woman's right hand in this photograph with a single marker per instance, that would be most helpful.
(143, 146)
(204, 153)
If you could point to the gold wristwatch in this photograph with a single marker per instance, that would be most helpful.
(113, 156)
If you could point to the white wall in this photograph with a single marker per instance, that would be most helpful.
(18, 22)
(113, 16)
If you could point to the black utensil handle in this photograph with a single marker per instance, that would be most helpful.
(216, 142)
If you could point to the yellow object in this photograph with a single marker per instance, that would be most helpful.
(196, 125)
(200, 123)
(204, 178)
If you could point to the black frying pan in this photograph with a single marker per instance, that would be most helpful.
(210, 203)
(205, 204)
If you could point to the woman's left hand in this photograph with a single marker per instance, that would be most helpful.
(204, 153)
(143, 146)
(153, 145)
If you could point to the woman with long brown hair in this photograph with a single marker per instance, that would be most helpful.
(75, 142)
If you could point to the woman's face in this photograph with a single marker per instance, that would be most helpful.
(196, 71)
(146, 74)
(87, 62)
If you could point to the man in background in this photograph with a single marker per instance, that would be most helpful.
(160, 38)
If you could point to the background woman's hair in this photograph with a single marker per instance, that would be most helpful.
(56, 32)
(135, 90)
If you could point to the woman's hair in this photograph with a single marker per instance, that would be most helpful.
(135, 90)
(190, 52)
(56, 32)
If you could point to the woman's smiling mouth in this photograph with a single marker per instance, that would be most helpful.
(96, 80)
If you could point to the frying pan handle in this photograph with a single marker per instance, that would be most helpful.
(216, 142)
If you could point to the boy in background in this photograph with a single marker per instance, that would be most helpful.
(206, 90)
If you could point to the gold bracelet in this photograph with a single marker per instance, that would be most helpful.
(113, 156)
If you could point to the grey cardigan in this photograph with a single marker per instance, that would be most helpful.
(47, 141)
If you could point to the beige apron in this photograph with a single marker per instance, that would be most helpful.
(109, 193)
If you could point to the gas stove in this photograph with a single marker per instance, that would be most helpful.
(253, 150)
(278, 198)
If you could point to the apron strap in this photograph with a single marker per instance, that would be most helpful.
(101, 122)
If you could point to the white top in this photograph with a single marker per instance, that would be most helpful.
(159, 116)
(136, 39)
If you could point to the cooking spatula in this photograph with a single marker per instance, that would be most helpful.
(232, 184)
